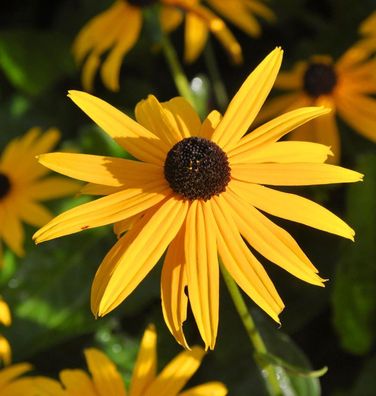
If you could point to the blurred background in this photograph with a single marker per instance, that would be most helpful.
(49, 289)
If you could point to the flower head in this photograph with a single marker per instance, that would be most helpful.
(105, 380)
(107, 32)
(23, 185)
(345, 86)
(197, 190)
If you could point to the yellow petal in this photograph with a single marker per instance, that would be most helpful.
(128, 133)
(135, 254)
(7, 374)
(196, 34)
(107, 379)
(247, 102)
(208, 126)
(98, 189)
(52, 188)
(34, 213)
(210, 388)
(173, 283)
(145, 369)
(105, 210)
(297, 174)
(41, 386)
(292, 207)
(271, 241)
(125, 225)
(176, 374)
(246, 270)
(13, 233)
(5, 351)
(170, 18)
(77, 383)
(275, 130)
(5, 315)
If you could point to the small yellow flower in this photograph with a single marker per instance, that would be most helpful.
(105, 379)
(117, 29)
(22, 185)
(197, 190)
(345, 86)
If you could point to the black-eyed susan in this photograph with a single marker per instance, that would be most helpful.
(196, 190)
(105, 380)
(108, 33)
(345, 86)
(23, 185)
(5, 320)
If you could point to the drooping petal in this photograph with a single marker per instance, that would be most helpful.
(107, 379)
(275, 130)
(135, 254)
(77, 383)
(246, 270)
(202, 270)
(196, 35)
(292, 207)
(247, 102)
(273, 242)
(128, 133)
(210, 388)
(176, 374)
(299, 174)
(106, 210)
(145, 369)
(173, 283)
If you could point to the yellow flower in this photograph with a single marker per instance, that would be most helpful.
(108, 32)
(344, 86)
(6, 320)
(21, 186)
(105, 380)
(195, 191)
(368, 31)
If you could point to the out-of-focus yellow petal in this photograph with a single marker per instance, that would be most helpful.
(77, 383)
(34, 386)
(292, 207)
(105, 210)
(271, 241)
(299, 174)
(135, 254)
(274, 130)
(5, 315)
(247, 102)
(173, 283)
(196, 34)
(13, 233)
(107, 379)
(246, 270)
(176, 374)
(34, 213)
(52, 187)
(128, 133)
(210, 388)
(170, 18)
(145, 369)
(5, 351)
(98, 189)
(202, 270)
(7, 374)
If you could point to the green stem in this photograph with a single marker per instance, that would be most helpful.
(180, 79)
(215, 75)
(259, 346)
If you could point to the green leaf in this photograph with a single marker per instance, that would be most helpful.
(33, 60)
(354, 292)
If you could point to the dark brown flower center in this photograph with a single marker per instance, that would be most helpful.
(5, 185)
(319, 79)
(141, 3)
(197, 168)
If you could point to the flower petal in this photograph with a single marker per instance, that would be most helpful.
(196, 34)
(292, 207)
(128, 133)
(77, 383)
(145, 369)
(297, 174)
(176, 374)
(7, 374)
(247, 102)
(210, 388)
(273, 242)
(5, 352)
(202, 270)
(12, 231)
(105, 210)
(52, 188)
(34, 213)
(246, 270)
(208, 126)
(173, 283)
(135, 254)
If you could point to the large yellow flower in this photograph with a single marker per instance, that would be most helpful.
(196, 190)
(22, 186)
(6, 320)
(105, 380)
(344, 86)
(117, 29)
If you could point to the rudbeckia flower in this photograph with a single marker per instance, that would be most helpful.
(345, 86)
(105, 379)
(197, 190)
(368, 31)
(117, 29)
(6, 320)
(22, 186)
